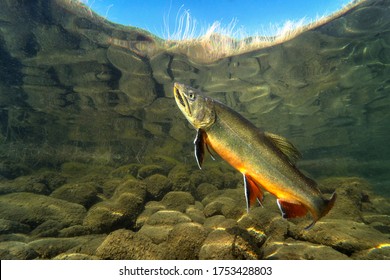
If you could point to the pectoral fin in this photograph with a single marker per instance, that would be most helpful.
(199, 148)
(291, 210)
(252, 192)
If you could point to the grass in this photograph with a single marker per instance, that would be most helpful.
(219, 41)
(207, 45)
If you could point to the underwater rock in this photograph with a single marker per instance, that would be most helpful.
(229, 244)
(381, 204)
(124, 244)
(109, 215)
(34, 209)
(205, 189)
(140, 90)
(76, 230)
(184, 241)
(230, 203)
(50, 247)
(159, 225)
(157, 186)
(377, 221)
(156, 233)
(75, 256)
(331, 184)
(130, 186)
(380, 252)
(43, 183)
(217, 246)
(89, 245)
(7, 226)
(48, 228)
(167, 217)
(148, 170)
(127, 61)
(344, 236)
(14, 250)
(109, 186)
(291, 249)
(195, 214)
(165, 162)
(73, 168)
(225, 206)
(180, 178)
(81, 193)
(11, 170)
(126, 170)
(352, 194)
(121, 210)
(151, 207)
(219, 222)
(177, 200)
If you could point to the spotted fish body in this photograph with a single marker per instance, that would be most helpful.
(267, 161)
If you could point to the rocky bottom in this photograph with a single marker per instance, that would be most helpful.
(167, 210)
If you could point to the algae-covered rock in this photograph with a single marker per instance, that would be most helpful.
(157, 186)
(167, 217)
(184, 241)
(7, 226)
(15, 250)
(49, 228)
(126, 170)
(75, 168)
(135, 187)
(300, 250)
(230, 203)
(51, 247)
(151, 207)
(204, 189)
(81, 193)
(177, 200)
(109, 215)
(121, 210)
(180, 178)
(34, 209)
(75, 256)
(166, 162)
(43, 183)
(380, 252)
(345, 236)
(219, 221)
(217, 246)
(124, 244)
(195, 214)
(148, 170)
(76, 230)
(229, 244)
(159, 225)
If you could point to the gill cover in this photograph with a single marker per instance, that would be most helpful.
(197, 108)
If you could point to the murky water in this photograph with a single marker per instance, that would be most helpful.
(94, 151)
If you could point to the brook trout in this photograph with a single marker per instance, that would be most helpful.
(266, 161)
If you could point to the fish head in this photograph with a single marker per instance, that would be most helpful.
(195, 106)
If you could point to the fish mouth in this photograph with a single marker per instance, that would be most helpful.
(180, 98)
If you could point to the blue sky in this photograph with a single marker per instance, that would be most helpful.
(254, 16)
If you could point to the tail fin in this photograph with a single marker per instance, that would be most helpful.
(328, 205)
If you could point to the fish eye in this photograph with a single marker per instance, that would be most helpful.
(191, 95)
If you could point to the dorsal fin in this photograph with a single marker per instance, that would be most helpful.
(284, 146)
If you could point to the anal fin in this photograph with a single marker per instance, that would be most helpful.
(253, 192)
(291, 210)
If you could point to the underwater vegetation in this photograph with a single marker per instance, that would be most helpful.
(96, 160)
